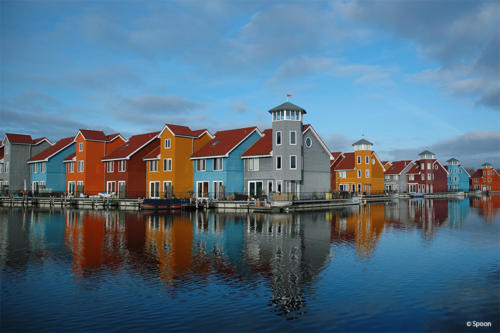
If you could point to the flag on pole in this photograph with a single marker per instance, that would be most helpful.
(288, 95)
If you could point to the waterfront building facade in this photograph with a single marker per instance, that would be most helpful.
(395, 176)
(427, 175)
(337, 158)
(458, 177)
(15, 151)
(486, 179)
(48, 172)
(85, 170)
(169, 168)
(218, 167)
(360, 171)
(125, 169)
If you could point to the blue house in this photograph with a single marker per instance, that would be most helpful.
(218, 167)
(458, 177)
(47, 170)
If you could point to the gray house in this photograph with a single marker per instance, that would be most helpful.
(395, 179)
(290, 158)
(15, 151)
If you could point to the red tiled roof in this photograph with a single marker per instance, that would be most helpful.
(336, 154)
(153, 154)
(131, 146)
(93, 135)
(477, 174)
(49, 152)
(263, 146)
(397, 167)
(347, 163)
(111, 137)
(414, 169)
(19, 138)
(179, 130)
(199, 132)
(1, 152)
(37, 141)
(224, 142)
(70, 157)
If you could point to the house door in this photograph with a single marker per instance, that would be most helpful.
(269, 187)
(218, 190)
(122, 189)
(154, 190)
(110, 187)
(71, 188)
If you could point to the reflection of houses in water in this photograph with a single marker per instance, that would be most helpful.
(170, 239)
(14, 238)
(428, 214)
(290, 250)
(487, 206)
(361, 225)
(97, 239)
(458, 210)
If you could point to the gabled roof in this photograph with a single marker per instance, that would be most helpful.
(224, 142)
(130, 147)
(415, 169)
(263, 146)
(40, 140)
(347, 163)
(113, 137)
(19, 138)
(179, 130)
(154, 154)
(453, 159)
(477, 174)
(336, 154)
(437, 161)
(362, 142)
(397, 167)
(287, 106)
(51, 151)
(337, 157)
(70, 158)
(487, 165)
(93, 135)
(1, 152)
(308, 127)
(426, 152)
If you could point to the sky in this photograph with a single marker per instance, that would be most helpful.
(406, 75)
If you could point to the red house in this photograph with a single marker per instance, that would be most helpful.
(125, 169)
(427, 175)
(337, 157)
(486, 179)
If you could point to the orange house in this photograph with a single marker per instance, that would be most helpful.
(360, 171)
(486, 179)
(169, 169)
(84, 168)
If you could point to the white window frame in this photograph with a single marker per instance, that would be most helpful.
(308, 142)
(295, 137)
(80, 146)
(429, 166)
(218, 164)
(279, 135)
(168, 144)
(81, 166)
(35, 167)
(358, 173)
(122, 166)
(71, 167)
(153, 166)
(217, 184)
(203, 194)
(359, 160)
(165, 184)
(295, 162)
(150, 192)
(279, 186)
(111, 186)
(167, 164)
(279, 157)
(119, 183)
(272, 187)
(199, 164)
(110, 166)
(367, 173)
(74, 187)
(253, 164)
(42, 167)
(367, 159)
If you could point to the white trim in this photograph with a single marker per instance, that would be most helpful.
(221, 164)
(184, 136)
(320, 140)
(132, 153)
(256, 156)
(335, 159)
(159, 189)
(276, 162)
(290, 138)
(447, 173)
(281, 138)
(378, 159)
(296, 162)
(50, 156)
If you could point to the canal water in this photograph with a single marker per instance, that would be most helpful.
(408, 265)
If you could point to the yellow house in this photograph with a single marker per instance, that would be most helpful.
(360, 171)
(169, 169)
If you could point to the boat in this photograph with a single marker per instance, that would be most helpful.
(417, 195)
(163, 204)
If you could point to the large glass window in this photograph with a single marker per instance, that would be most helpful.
(278, 137)
(217, 164)
(293, 137)
(293, 162)
(201, 165)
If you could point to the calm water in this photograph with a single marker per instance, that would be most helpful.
(403, 266)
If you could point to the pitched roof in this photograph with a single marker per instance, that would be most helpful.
(52, 150)
(336, 154)
(129, 148)
(1, 152)
(414, 169)
(263, 146)
(453, 159)
(70, 158)
(19, 138)
(288, 107)
(153, 154)
(426, 152)
(199, 132)
(39, 140)
(113, 136)
(397, 167)
(362, 142)
(347, 163)
(487, 165)
(224, 142)
(93, 135)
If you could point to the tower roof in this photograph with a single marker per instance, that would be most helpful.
(487, 165)
(426, 152)
(362, 142)
(453, 160)
(287, 106)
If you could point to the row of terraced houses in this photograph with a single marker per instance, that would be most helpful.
(288, 160)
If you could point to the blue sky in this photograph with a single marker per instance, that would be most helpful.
(406, 74)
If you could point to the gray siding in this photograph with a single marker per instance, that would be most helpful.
(265, 173)
(285, 150)
(316, 167)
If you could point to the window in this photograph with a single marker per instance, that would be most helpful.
(373, 161)
(359, 173)
(367, 173)
(154, 187)
(422, 176)
(71, 188)
(293, 137)
(80, 166)
(359, 159)
(436, 167)
(80, 146)
(71, 167)
(309, 142)
(422, 166)
(217, 164)
(428, 166)
(167, 143)
(367, 160)
(202, 189)
(167, 164)
(122, 165)
(153, 166)
(167, 189)
(278, 162)
(279, 186)
(111, 187)
(35, 167)
(201, 165)
(253, 164)
(110, 167)
(429, 176)
(278, 137)
(42, 167)
(293, 162)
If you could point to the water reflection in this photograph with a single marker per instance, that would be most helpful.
(281, 258)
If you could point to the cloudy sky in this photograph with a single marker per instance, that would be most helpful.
(406, 74)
